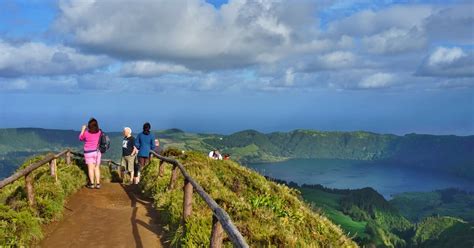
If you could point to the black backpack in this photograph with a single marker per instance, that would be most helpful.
(104, 142)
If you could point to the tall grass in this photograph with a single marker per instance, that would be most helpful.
(267, 214)
(21, 225)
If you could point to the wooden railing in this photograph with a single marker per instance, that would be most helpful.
(48, 159)
(220, 219)
(109, 162)
(26, 173)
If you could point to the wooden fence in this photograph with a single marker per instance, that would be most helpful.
(26, 173)
(220, 220)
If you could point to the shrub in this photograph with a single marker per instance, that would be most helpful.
(19, 224)
(267, 214)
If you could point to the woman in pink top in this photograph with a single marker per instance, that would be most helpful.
(92, 155)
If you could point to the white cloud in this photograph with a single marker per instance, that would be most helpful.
(448, 62)
(453, 23)
(338, 59)
(58, 84)
(370, 22)
(395, 40)
(331, 61)
(443, 55)
(34, 58)
(245, 45)
(14, 85)
(456, 83)
(151, 69)
(192, 32)
(289, 77)
(377, 80)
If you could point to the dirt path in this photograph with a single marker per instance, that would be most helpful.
(113, 216)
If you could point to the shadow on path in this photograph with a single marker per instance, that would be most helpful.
(136, 197)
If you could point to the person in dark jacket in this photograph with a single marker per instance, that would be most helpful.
(145, 142)
(129, 153)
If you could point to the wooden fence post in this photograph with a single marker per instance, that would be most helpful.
(53, 169)
(174, 175)
(29, 189)
(188, 201)
(217, 233)
(68, 157)
(161, 168)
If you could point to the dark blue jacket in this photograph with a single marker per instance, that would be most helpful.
(144, 143)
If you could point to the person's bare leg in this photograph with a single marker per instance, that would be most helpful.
(90, 171)
(97, 174)
(142, 162)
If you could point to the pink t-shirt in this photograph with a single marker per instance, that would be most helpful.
(91, 140)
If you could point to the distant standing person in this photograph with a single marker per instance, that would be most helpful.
(129, 153)
(145, 142)
(215, 154)
(158, 149)
(92, 155)
(226, 156)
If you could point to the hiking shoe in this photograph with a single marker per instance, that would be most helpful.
(97, 186)
(90, 185)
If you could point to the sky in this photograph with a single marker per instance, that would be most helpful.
(224, 66)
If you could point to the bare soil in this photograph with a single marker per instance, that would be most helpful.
(114, 216)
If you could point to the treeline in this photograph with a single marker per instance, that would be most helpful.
(454, 154)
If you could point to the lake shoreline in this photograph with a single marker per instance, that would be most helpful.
(387, 179)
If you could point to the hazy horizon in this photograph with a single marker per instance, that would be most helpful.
(137, 130)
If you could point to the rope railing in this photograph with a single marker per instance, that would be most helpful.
(220, 219)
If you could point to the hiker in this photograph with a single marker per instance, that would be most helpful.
(145, 142)
(158, 149)
(90, 135)
(215, 154)
(129, 153)
(226, 156)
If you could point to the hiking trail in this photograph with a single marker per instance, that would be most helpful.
(114, 216)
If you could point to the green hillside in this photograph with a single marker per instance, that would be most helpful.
(449, 153)
(363, 213)
(18, 144)
(373, 221)
(268, 214)
(448, 202)
(438, 232)
(453, 154)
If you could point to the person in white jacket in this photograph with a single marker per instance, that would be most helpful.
(216, 155)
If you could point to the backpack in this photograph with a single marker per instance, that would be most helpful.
(104, 142)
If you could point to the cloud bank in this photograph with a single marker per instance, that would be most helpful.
(259, 45)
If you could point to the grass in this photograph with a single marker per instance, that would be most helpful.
(21, 225)
(329, 205)
(449, 202)
(267, 214)
(444, 231)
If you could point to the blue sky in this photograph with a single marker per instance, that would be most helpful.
(223, 66)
